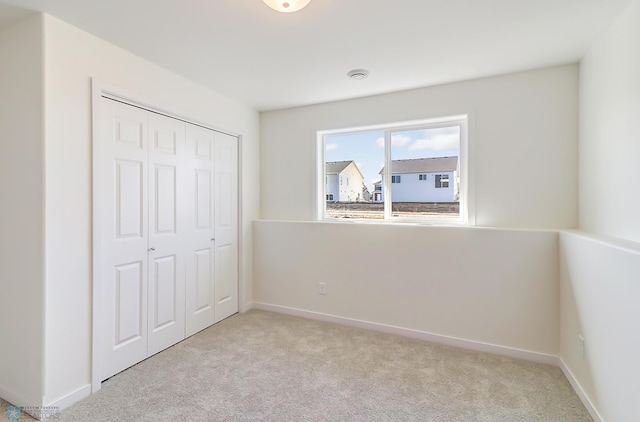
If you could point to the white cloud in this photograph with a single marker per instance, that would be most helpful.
(397, 141)
(400, 141)
(331, 147)
(441, 142)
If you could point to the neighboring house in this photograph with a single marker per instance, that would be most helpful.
(344, 182)
(366, 195)
(377, 191)
(423, 180)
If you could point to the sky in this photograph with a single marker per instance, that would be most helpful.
(367, 148)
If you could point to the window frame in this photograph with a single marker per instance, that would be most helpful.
(466, 214)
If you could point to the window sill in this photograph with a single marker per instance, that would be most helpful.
(444, 222)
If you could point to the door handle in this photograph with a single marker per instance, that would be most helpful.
(213, 239)
(152, 249)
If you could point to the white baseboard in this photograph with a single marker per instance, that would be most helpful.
(50, 410)
(71, 398)
(421, 335)
(14, 399)
(580, 392)
(41, 411)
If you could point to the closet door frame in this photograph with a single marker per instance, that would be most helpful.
(99, 90)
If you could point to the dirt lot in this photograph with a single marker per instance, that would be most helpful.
(402, 209)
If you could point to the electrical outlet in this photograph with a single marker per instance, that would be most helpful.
(322, 288)
(580, 346)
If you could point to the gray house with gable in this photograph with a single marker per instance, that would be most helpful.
(423, 180)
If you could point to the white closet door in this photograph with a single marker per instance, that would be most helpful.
(200, 231)
(166, 232)
(226, 225)
(122, 236)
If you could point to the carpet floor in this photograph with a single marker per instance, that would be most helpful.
(263, 366)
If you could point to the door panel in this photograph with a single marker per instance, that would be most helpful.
(203, 200)
(122, 237)
(226, 225)
(165, 286)
(165, 135)
(166, 199)
(224, 212)
(225, 285)
(128, 198)
(167, 231)
(128, 295)
(200, 238)
(203, 279)
(130, 132)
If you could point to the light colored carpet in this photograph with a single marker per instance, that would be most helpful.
(262, 366)
(7, 415)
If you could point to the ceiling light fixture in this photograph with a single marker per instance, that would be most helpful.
(358, 74)
(286, 6)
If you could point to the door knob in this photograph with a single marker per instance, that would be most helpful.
(212, 239)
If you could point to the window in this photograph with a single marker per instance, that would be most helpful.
(390, 160)
(442, 181)
(330, 197)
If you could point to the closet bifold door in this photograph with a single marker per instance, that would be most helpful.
(226, 225)
(167, 232)
(123, 236)
(200, 300)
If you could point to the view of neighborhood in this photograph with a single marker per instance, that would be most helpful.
(425, 177)
(418, 187)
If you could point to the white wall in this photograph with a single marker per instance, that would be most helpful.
(522, 145)
(72, 58)
(498, 287)
(481, 285)
(21, 212)
(599, 278)
(609, 131)
(600, 289)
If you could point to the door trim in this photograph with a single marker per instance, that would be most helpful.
(99, 90)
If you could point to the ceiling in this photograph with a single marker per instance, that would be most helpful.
(270, 60)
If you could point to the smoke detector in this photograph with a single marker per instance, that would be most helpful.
(358, 74)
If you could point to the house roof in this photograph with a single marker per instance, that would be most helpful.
(424, 165)
(337, 167)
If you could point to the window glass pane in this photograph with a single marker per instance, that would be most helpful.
(352, 165)
(431, 156)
